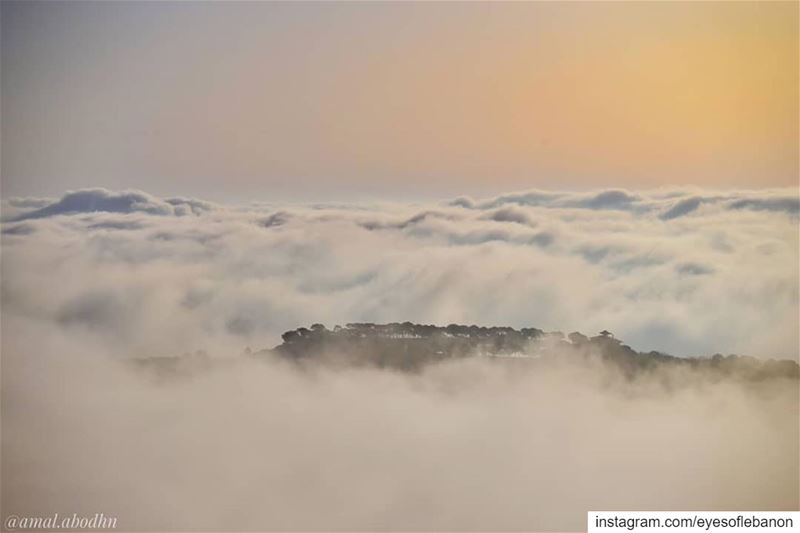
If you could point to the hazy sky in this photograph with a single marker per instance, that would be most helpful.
(342, 100)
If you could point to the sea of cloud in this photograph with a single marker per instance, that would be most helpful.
(97, 277)
(688, 272)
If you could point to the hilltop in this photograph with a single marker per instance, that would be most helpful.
(409, 347)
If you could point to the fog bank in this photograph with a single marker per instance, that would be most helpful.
(468, 445)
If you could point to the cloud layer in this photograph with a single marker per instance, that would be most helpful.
(689, 272)
(97, 277)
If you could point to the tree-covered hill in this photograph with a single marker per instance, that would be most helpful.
(408, 346)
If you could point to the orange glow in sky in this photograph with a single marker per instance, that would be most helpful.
(273, 98)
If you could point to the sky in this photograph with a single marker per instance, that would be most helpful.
(311, 101)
